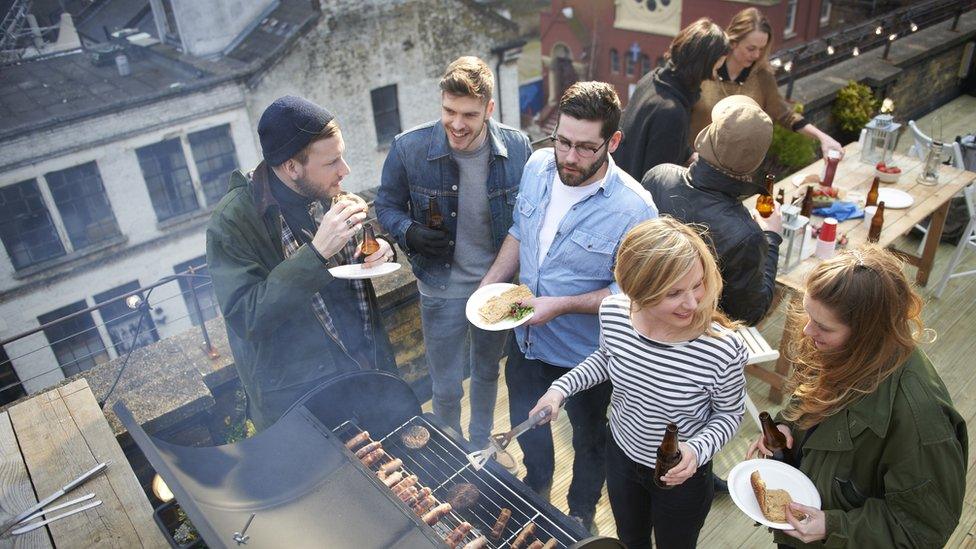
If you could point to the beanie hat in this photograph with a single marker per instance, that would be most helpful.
(288, 125)
(737, 139)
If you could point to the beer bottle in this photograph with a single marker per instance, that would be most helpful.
(872, 198)
(764, 204)
(806, 207)
(781, 197)
(775, 440)
(435, 220)
(668, 455)
(877, 223)
(369, 245)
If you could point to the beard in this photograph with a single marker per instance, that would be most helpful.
(583, 172)
(314, 192)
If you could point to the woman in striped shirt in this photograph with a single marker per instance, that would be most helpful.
(671, 356)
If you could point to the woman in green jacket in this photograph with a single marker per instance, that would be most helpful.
(873, 424)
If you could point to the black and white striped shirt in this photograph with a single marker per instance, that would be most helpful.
(697, 384)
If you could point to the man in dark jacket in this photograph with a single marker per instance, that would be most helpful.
(270, 244)
(709, 192)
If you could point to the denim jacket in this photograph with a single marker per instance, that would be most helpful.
(420, 167)
(581, 257)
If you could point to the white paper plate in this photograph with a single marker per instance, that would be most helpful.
(356, 270)
(479, 298)
(777, 476)
(895, 199)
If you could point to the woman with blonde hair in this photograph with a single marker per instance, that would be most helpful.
(746, 71)
(671, 357)
(876, 429)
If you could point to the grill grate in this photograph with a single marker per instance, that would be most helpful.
(441, 465)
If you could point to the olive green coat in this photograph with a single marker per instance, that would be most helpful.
(890, 468)
(280, 349)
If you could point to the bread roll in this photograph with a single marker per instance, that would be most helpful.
(772, 503)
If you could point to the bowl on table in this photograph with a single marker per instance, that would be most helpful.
(887, 174)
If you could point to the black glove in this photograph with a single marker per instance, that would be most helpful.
(427, 241)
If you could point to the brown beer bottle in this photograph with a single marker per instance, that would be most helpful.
(764, 204)
(369, 245)
(435, 220)
(668, 455)
(877, 223)
(872, 198)
(775, 440)
(806, 207)
(781, 197)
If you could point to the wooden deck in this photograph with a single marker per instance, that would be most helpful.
(953, 317)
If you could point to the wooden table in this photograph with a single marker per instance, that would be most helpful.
(854, 175)
(49, 440)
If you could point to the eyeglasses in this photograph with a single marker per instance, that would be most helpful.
(583, 151)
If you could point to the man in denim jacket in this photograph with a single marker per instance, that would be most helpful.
(574, 207)
(469, 166)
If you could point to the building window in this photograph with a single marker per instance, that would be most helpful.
(630, 62)
(790, 28)
(202, 286)
(26, 227)
(824, 13)
(85, 210)
(170, 187)
(75, 341)
(645, 64)
(614, 61)
(10, 387)
(215, 157)
(386, 113)
(128, 328)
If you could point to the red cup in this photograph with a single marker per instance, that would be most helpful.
(828, 232)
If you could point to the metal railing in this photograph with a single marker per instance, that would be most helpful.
(139, 301)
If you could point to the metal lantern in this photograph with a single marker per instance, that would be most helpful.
(794, 237)
(880, 138)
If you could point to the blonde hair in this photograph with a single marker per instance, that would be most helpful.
(469, 76)
(867, 291)
(655, 254)
(745, 22)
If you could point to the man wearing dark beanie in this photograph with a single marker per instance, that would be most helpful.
(270, 243)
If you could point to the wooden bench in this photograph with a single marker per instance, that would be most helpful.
(759, 351)
(49, 440)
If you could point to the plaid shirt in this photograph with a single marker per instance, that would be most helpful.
(345, 255)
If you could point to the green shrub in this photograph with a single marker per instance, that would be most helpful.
(854, 106)
(792, 150)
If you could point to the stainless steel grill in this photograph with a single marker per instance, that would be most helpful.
(441, 465)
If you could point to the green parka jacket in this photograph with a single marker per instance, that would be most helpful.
(280, 349)
(890, 468)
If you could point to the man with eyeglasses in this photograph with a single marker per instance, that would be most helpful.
(574, 207)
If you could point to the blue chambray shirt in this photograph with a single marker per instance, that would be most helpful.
(581, 257)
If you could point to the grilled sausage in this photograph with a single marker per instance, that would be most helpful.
(424, 505)
(479, 542)
(410, 492)
(391, 480)
(524, 535)
(434, 516)
(391, 466)
(373, 457)
(404, 484)
(454, 538)
(365, 450)
(535, 545)
(357, 440)
(499, 527)
(415, 499)
(551, 544)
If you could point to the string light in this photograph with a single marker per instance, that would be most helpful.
(914, 27)
(892, 36)
(878, 30)
(776, 63)
(788, 66)
(856, 52)
(830, 48)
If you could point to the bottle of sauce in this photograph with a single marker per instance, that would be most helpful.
(764, 204)
(806, 207)
(877, 223)
(668, 455)
(872, 199)
(369, 245)
(830, 167)
(827, 241)
(775, 440)
(435, 220)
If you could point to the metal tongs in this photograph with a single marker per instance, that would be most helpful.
(35, 511)
(499, 442)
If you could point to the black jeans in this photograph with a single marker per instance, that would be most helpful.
(639, 506)
(527, 380)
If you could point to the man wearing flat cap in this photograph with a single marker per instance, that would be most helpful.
(710, 193)
(270, 244)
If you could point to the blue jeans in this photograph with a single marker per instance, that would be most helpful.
(446, 330)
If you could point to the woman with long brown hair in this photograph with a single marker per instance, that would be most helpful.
(746, 71)
(870, 420)
(671, 356)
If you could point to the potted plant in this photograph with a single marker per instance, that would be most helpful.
(854, 107)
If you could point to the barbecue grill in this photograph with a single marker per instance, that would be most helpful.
(296, 484)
